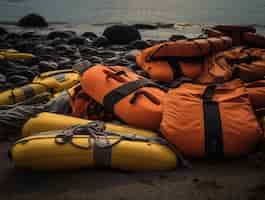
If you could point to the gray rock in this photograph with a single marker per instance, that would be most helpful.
(121, 34)
(131, 55)
(177, 37)
(32, 20)
(18, 80)
(2, 78)
(58, 41)
(46, 66)
(101, 42)
(106, 54)
(95, 59)
(140, 44)
(88, 51)
(145, 26)
(90, 35)
(11, 36)
(60, 34)
(3, 31)
(77, 41)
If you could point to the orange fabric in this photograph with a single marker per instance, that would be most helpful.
(256, 91)
(146, 112)
(183, 119)
(159, 69)
(217, 67)
(235, 32)
(85, 107)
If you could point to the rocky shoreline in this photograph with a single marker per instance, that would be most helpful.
(118, 45)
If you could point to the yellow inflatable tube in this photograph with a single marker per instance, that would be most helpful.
(14, 55)
(58, 80)
(53, 82)
(59, 150)
(49, 121)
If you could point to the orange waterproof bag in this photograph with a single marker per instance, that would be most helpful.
(210, 121)
(256, 91)
(131, 97)
(248, 64)
(83, 106)
(167, 61)
(236, 32)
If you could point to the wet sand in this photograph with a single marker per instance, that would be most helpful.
(231, 180)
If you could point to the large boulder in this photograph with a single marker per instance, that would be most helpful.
(121, 34)
(32, 20)
(3, 31)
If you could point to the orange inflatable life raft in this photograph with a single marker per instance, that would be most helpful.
(83, 106)
(132, 98)
(167, 61)
(210, 121)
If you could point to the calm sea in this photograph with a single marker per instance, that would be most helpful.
(139, 11)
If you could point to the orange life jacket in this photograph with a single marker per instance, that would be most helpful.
(236, 32)
(241, 35)
(248, 64)
(256, 91)
(131, 97)
(167, 61)
(83, 106)
(209, 120)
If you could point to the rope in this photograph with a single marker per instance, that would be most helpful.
(96, 130)
(13, 119)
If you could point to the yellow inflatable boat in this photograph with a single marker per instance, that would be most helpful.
(53, 82)
(45, 121)
(93, 145)
(58, 80)
(11, 54)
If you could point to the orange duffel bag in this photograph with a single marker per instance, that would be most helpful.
(167, 61)
(256, 91)
(236, 32)
(210, 121)
(132, 98)
(248, 64)
(83, 106)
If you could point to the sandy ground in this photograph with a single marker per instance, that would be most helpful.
(232, 180)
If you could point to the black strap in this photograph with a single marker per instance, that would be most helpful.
(178, 82)
(119, 93)
(60, 77)
(247, 59)
(175, 67)
(28, 91)
(214, 148)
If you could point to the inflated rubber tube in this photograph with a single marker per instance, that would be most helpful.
(52, 82)
(167, 71)
(166, 62)
(134, 99)
(13, 55)
(254, 39)
(19, 94)
(187, 48)
(49, 122)
(58, 80)
(92, 147)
